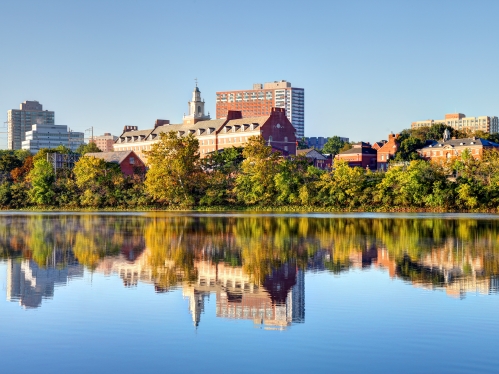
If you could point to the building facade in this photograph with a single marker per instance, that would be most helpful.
(449, 149)
(460, 122)
(104, 142)
(51, 136)
(19, 121)
(129, 163)
(316, 158)
(262, 98)
(361, 155)
(387, 151)
(214, 135)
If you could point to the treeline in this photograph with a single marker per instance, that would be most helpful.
(253, 176)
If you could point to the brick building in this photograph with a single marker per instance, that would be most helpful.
(262, 98)
(214, 135)
(448, 148)
(104, 142)
(128, 161)
(361, 154)
(387, 151)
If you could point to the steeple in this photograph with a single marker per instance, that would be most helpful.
(196, 108)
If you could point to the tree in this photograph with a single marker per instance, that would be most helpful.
(95, 179)
(175, 174)
(408, 148)
(333, 146)
(221, 169)
(255, 184)
(88, 148)
(302, 144)
(42, 179)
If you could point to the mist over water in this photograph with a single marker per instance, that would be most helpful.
(140, 292)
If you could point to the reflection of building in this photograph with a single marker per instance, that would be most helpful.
(278, 302)
(29, 284)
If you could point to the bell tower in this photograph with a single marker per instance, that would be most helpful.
(196, 108)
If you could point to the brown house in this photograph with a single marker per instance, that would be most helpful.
(387, 151)
(448, 149)
(316, 158)
(361, 154)
(128, 161)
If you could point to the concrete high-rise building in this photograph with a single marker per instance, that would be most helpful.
(20, 120)
(459, 121)
(260, 100)
(51, 136)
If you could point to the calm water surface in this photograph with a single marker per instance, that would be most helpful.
(246, 293)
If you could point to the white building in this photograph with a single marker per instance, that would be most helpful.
(51, 136)
(460, 122)
(20, 120)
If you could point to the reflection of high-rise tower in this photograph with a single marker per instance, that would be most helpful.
(279, 302)
(28, 284)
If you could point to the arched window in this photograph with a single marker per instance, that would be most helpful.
(199, 109)
(285, 138)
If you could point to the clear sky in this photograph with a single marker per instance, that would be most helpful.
(368, 67)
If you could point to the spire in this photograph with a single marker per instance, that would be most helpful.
(196, 107)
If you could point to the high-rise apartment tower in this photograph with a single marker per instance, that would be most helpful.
(20, 120)
(260, 100)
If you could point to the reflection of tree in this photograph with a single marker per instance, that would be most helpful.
(170, 245)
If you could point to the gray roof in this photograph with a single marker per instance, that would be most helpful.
(311, 152)
(201, 125)
(114, 157)
(363, 150)
(465, 142)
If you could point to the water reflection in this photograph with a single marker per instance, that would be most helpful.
(254, 265)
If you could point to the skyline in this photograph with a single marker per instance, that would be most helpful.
(366, 68)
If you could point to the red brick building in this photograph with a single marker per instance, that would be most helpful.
(128, 161)
(361, 155)
(387, 151)
(449, 149)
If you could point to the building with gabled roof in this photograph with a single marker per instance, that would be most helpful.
(128, 161)
(361, 154)
(387, 151)
(448, 148)
(217, 134)
(316, 158)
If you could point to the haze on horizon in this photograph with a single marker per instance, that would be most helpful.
(367, 68)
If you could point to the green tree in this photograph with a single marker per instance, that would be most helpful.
(302, 144)
(175, 174)
(255, 184)
(42, 179)
(221, 170)
(91, 147)
(333, 145)
(408, 148)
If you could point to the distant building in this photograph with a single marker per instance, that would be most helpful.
(104, 142)
(51, 136)
(318, 142)
(19, 121)
(460, 122)
(214, 135)
(316, 158)
(448, 148)
(361, 154)
(262, 98)
(387, 151)
(128, 161)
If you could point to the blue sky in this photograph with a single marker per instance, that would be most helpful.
(368, 67)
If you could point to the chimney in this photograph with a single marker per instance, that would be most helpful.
(161, 122)
(234, 114)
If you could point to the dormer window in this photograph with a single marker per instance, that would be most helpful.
(192, 131)
(461, 143)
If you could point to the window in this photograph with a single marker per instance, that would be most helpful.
(132, 160)
(285, 138)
